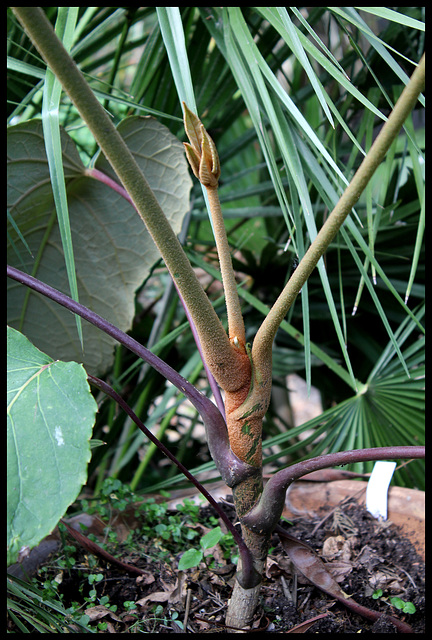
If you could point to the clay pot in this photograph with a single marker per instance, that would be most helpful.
(406, 507)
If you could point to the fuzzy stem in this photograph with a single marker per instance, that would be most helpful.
(218, 351)
(262, 346)
(236, 327)
(244, 434)
(105, 179)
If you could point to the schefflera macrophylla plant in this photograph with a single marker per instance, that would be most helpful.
(243, 419)
(248, 394)
(244, 372)
(259, 509)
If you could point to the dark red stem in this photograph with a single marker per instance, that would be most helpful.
(266, 513)
(247, 563)
(232, 469)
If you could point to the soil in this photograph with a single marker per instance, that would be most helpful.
(365, 554)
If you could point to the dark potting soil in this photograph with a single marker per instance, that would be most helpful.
(366, 557)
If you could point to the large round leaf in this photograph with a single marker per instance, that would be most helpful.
(113, 251)
(50, 418)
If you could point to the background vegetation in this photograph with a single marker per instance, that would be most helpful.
(293, 100)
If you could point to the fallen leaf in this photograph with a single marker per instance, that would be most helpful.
(313, 568)
(216, 580)
(369, 558)
(337, 547)
(100, 611)
(339, 569)
(156, 596)
(178, 593)
(386, 580)
(203, 626)
(275, 567)
(145, 579)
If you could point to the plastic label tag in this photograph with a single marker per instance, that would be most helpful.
(377, 488)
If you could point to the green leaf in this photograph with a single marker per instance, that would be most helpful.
(171, 27)
(113, 251)
(399, 18)
(351, 15)
(409, 607)
(190, 558)
(390, 407)
(51, 414)
(280, 19)
(65, 26)
(211, 538)
(397, 602)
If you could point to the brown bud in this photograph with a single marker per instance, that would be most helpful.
(201, 152)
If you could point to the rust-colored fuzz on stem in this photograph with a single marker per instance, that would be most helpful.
(244, 427)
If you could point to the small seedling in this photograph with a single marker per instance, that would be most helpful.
(192, 557)
(406, 607)
(395, 601)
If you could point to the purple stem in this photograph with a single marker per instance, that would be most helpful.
(103, 177)
(264, 516)
(248, 571)
(232, 469)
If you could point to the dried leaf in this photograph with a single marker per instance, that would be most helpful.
(337, 547)
(145, 579)
(178, 594)
(308, 563)
(368, 557)
(312, 567)
(339, 569)
(156, 596)
(100, 611)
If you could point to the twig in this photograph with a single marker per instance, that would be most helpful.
(326, 517)
(187, 607)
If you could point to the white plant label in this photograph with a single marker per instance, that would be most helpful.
(377, 488)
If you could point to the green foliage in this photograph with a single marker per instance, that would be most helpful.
(35, 609)
(167, 530)
(395, 601)
(50, 419)
(192, 557)
(115, 495)
(293, 99)
(112, 248)
(406, 607)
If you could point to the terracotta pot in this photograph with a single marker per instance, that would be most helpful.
(406, 507)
